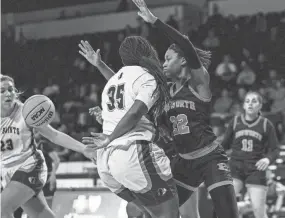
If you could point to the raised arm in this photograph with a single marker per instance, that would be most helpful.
(95, 59)
(198, 71)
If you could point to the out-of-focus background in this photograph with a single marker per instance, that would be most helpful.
(40, 50)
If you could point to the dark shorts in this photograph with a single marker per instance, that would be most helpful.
(213, 169)
(247, 173)
(140, 172)
(46, 189)
(32, 173)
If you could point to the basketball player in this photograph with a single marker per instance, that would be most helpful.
(189, 208)
(201, 158)
(188, 93)
(254, 145)
(24, 171)
(130, 164)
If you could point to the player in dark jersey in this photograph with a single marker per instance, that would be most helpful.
(200, 157)
(254, 145)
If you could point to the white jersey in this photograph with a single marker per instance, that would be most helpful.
(17, 143)
(129, 84)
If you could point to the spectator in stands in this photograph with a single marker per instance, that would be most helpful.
(124, 5)
(94, 95)
(107, 51)
(212, 41)
(261, 66)
(278, 96)
(246, 77)
(267, 102)
(227, 69)
(223, 104)
(52, 89)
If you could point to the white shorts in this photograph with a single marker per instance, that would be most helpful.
(143, 169)
(32, 172)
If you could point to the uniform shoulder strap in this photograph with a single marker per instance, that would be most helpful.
(235, 122)
(265, 121)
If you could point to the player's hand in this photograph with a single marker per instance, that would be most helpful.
(144, 12)
(97, 112)
(52, 182)
(89, 54)
(98, 141)
(262, 164)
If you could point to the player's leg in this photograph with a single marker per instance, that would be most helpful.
(258, 200)
(145, 170)
(188, 180)
(257, 189)
(14, 195)
(218, 181)
(190, 209)
(25, 183)
(37, 207)
(49, 191)
(18, 213)
(111, 183)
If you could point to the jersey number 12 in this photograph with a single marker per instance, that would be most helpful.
(116, 97)
(180, 124)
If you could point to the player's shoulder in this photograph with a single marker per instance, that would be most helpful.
(267, 124)
(135, 71)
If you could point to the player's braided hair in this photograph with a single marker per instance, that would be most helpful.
(136, 50)
(205, 56)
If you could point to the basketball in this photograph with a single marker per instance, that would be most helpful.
(38, 111)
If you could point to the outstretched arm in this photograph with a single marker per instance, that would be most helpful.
(95, 59)
(61, 138)
(198, 72)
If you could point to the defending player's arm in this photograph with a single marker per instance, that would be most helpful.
(61, 138)
(198, 72)
(228, 137)
(95, 59)
(144, 88)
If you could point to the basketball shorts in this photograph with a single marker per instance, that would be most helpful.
(141, 172)
(247, 173)
(212, 169)
(32, 173)
(46, 189)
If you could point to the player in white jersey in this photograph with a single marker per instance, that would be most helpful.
(23, 168)
(130, 164)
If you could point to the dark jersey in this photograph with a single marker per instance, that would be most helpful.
(251, 141)
(189, 116)
(46, 147)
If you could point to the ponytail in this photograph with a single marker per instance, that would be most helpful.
(153, 67)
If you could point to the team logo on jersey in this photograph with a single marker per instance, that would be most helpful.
(38, 113)
(161, 192)
(32, 180)
(223, 166)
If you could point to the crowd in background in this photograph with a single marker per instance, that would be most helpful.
(247, 54)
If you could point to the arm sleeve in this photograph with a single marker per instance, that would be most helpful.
(144, 88)
(182, 41)
(272, 142)
(228, 137)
